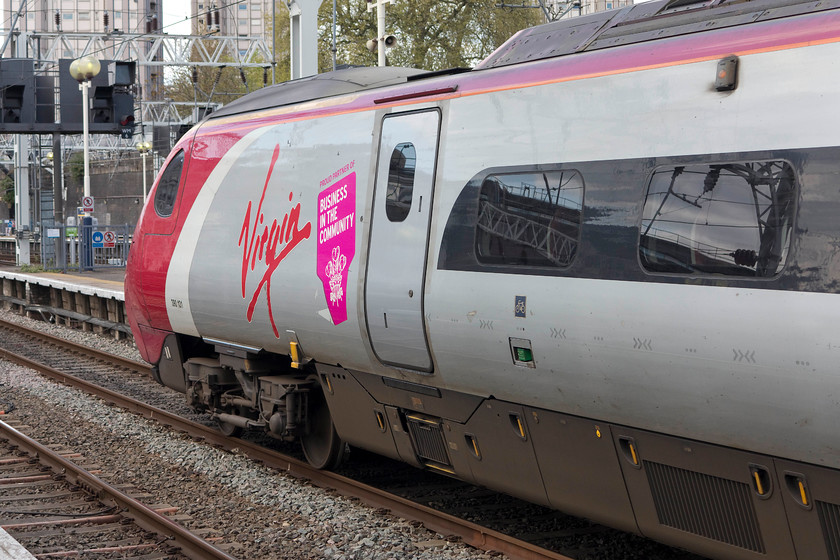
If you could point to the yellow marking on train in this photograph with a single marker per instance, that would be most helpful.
(521, 427)
(441, 469)
(424, 420)
(633, 453)
(802, 494)
(293, 351)
(379, 419)
(758, 483)
(475, 446)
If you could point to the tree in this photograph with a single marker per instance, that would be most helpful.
(431, 34)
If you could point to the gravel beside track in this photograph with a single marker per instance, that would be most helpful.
(268, 514)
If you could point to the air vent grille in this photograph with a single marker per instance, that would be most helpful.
(428, 439)
(709, 506)
(830, 523)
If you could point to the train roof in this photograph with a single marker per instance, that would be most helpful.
(319, 86)
(640, 23)
(637, 23)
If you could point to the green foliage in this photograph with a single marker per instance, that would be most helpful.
(31, 268)
(76, 166)
(7, 187)
(431, 34)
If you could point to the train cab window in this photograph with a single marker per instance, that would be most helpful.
(529, 218)
(732, 219)
(400, 182)
(167, 188)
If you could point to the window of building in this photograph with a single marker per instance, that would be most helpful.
(529, 218)
(732, 219)
(167, 188)
(400, 182)
(243, 7)
(84, 16)
(66, 16)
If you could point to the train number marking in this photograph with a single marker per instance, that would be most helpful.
(176, 303)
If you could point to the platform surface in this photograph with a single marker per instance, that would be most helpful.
(10, 549)
(106, 283)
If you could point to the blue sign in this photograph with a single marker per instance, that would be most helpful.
(98, 240)
(519, 306)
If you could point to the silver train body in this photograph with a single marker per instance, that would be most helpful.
(603, 279)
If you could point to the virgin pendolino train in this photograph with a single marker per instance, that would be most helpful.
(599, 271)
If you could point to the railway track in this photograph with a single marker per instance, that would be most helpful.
(57, 507)
(464, 513)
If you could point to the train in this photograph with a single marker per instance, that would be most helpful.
(512, 274)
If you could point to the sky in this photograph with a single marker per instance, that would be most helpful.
(174, 14)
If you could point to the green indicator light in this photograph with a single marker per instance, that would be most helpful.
(524, 355)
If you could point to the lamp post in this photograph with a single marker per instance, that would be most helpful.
(144, 147)
(84, 70)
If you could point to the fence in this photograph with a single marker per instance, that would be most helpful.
(85, 247)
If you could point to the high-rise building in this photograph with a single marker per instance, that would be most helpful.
(574, 8)
(113, 17)
(242, 19)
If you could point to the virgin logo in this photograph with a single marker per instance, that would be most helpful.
(265, 246)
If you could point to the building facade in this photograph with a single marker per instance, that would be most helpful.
(111, 17)
(243, 19)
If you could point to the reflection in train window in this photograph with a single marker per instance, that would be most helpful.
(733, 219)
(530, 218)
(400, 182)
(167, 188)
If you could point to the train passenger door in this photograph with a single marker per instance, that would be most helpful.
(399, 237)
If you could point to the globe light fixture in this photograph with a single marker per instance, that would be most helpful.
(84, 70)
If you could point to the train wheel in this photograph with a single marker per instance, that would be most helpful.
(322, 446)
(228, 429)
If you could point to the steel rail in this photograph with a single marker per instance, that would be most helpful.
(126, 363)
(147, 518)
(470, 533)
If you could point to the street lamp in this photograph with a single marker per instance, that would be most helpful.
(143, 148)
(83, 71)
